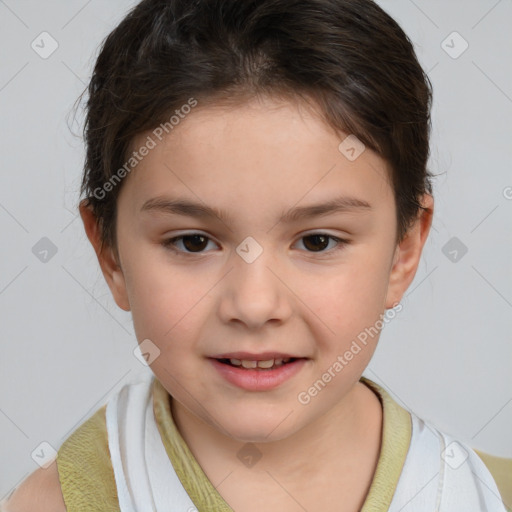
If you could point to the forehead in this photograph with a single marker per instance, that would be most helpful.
(264, 153)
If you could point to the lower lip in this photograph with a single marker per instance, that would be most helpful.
(258, 380)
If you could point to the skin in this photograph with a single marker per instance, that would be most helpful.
(256, 161)
(40, 491)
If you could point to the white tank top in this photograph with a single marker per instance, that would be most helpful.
(440, 474)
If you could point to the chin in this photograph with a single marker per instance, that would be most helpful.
(256, 427)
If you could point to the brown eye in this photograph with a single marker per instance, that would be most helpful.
(316, 242)
(319, 242)
(194, 243)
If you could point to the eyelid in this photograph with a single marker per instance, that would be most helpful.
(169, 243)
(340, 243)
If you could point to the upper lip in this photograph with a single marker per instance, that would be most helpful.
(248, 356)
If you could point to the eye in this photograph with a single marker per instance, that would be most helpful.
(317, 242)
(192, 243)
(196, 243)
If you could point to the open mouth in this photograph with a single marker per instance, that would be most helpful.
(257, 372)
(269, 364)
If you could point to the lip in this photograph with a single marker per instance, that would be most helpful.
(262, 356)
(253, 379)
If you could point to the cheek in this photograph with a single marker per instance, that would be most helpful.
(164, 310)
(170, 304)
(345, 303)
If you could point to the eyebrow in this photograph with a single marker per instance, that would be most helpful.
(193, 209)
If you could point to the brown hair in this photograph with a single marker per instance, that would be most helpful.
(348, 56)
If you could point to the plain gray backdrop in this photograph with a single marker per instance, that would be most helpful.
(65, 345)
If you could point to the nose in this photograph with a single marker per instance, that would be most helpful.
(254, 293)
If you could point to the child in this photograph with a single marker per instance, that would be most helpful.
(288, 140)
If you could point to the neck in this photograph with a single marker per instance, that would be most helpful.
(338, 438)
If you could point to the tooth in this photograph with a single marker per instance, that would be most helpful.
(249, 364)
(278, 362)
(286, 359)
(236, 362)
(266, 364)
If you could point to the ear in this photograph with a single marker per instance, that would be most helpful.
(408, 253)
(106, 257)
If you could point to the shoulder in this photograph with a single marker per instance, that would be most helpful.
(464, 473)
(80, 477)
(40, 491)
(448, 472)
(85, 469)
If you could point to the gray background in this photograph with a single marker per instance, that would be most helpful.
(66, 347)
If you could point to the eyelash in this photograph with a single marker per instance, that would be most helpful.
(170, 243)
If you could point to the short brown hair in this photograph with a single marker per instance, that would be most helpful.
(349, 56)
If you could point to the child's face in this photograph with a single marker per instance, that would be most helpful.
(302, 297)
